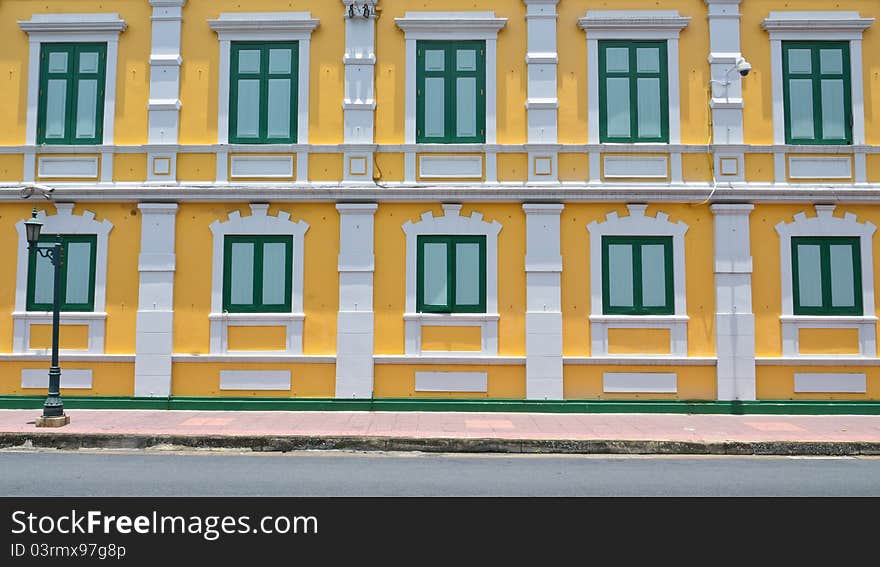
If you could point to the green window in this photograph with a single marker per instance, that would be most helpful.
(71, 100)
(451, 92)
(826, 275)
(633, 91)
(77, 292)
(257, 274)
(263, 94)
(637, 277)
(816, 83)
(451, 274)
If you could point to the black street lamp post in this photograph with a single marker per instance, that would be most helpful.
(53, 407)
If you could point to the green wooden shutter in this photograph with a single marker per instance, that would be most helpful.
(71, 95)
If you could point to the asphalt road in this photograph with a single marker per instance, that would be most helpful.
(156, 473)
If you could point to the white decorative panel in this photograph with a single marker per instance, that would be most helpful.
(261, 166)
(820, 167)
(255, 380)
(68, 166)
(452, 382)
(650, 167)
(640, 382)
(451, 167)
(70, 379)
(828, 383)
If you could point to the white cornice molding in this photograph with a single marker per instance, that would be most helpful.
(296, 22)
(167, 3)
(72, 23)
(625, 20)
(477, 24)
(826, 21)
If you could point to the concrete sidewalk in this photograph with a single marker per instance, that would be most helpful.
(451, 432)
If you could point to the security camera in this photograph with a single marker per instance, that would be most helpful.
(743, 66)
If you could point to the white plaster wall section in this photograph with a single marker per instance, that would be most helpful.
(452, 382)
(154, 334)
(164, 104)
(261, 167)
(452, 223)
(543, 265)
(734, 320)
(647, 167)
(639, 382)
(355, 322)
(542, 102)
(825, 223)
(638, 224)
(450, 167)
(262, 380)
(830, 383)
(74, 28)
(359, 104)
(471, 25)
(63, 222)
(261, 223)
(85, 167)
(71, 379)
(726, 86)
(819, 167)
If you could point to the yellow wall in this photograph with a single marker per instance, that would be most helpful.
(201, 379)
(133, 72)
(694, 382)
(200, 73)
(108, 378)
(192, 293)
(766, 278)
(699, 267)
(390, 283)
(777, 382)
(399, 381)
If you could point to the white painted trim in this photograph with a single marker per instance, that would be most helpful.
(640, 382)
(74, 356)
(830, 383)
(263, 380)
(259, 223)
(638, 224)
(242, 358)
(59, 167)
(450, 166)
(635, 25)
(635, 167)
(23, 320)
(54, 28)
(63, 222)
(71, 379)
(826, 224)
(820, 167)
(817, 26)
(264, 26)
(438, 359)
(452, 223)
(640, 360)
(261, 166)
(817, 360)
(471, 25)
(452, 382)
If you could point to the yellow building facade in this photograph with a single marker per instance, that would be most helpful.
(510, 200)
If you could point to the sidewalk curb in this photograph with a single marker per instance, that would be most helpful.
(71, 441)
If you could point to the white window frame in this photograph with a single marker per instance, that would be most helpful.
(451, 26)
(825, 224)
(62, 222)
(817, 26)
(259, 223)
(72, 28)
(264, 27)
(633, 25)
(638, 224)
(452, 223)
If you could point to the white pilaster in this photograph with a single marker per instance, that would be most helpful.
(164, 103)
(359, 105)
(155, 316)
(726, 87)
(354, 330)
(543, 302)
(734, 320)
(542, 104)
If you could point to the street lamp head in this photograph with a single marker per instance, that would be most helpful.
(32, 228)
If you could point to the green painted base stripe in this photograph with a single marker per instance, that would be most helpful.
(791, 407)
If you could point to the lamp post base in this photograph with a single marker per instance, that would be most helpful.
(60, 421)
